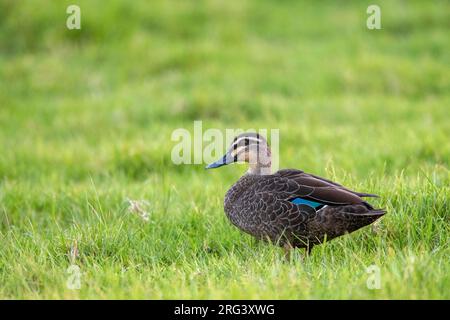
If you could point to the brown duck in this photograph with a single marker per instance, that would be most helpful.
(289, 208)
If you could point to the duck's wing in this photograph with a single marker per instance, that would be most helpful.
(298, 184)
(360, 194)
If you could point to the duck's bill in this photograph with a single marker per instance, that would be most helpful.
(221, 162)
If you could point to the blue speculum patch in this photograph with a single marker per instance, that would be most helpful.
(310, 203)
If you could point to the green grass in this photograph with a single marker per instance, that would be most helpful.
(86, 118)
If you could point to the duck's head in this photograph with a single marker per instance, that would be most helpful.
(247, 147)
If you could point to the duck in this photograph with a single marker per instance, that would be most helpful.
(289, 208)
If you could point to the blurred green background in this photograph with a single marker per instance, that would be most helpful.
(86, 118)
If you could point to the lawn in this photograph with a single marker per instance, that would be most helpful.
(86, 118)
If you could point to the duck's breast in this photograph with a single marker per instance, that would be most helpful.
(238, 204)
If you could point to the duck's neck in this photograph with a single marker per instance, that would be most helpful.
(260, 170)
(263, 166)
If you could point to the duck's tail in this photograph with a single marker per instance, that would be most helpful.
(354, 221)
(336, 221)
(366, 195)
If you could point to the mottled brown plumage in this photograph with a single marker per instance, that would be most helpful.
(264, 205)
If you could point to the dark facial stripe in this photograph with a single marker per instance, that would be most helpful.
(243, 150)
(242, 142)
